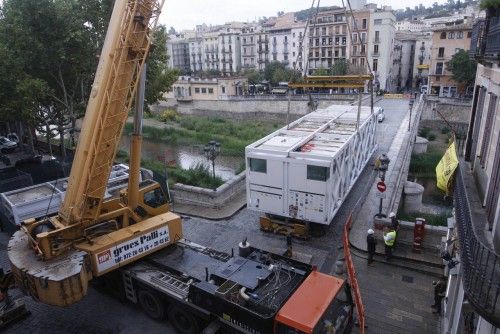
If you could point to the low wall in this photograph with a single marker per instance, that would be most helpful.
(453, 110)
(432, 238)
(184, 194)
(258, 108)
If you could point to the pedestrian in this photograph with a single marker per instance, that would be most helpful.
(439, 291)
(394, 221)
(371, 242)
(389, 238)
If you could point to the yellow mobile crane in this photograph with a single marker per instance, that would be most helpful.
(54, 259)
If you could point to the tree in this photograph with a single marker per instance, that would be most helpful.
(254, 77)
(321, 71)
(159, 78)
(340, 67)
(463, 69)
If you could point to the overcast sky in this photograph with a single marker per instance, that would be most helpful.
(186, 14)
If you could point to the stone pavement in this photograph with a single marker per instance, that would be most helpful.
(396, 300)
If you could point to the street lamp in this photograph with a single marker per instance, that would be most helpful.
(383, 165)
(212, 150)
(411, 107)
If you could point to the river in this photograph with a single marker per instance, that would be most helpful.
(184, 156)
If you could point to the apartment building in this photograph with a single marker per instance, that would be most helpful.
(359, 43)
(229, 50)
(211, 51)
(423, 44)
(381, 33)
(446, 41)
(196, 54)
(178, 50)
(249, 47)
(328, 39)
(403, 60)
(472, 303)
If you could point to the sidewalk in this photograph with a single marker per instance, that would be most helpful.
(365, 211)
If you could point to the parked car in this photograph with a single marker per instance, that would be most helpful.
(378, 110)
(380, 117)
(7, 145)
(423, 89)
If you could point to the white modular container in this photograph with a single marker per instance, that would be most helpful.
(305, 170)
(44, 199)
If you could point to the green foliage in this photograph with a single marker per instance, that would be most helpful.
(321, 71)
(159, 78)
(424, 165)
(198, 175)
(340, 67)
(463, 68)
(424, 132)
(234, 136)
(445, 130)
(430, 219)
(490, 4)
(168, 115)
(431, 137)
(306, 14)
(277, 72)
(254, 77)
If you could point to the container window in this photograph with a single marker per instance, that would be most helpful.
(317, 173)
(258, 165)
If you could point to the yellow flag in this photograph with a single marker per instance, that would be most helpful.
(446, 169)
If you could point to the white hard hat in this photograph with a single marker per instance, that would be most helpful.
(370, 231)
(392, 215)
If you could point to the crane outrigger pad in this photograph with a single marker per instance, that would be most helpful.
(60, 281)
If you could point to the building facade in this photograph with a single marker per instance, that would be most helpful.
(188, 88)
(381, 44)
(328, 39)
(472, 303)
(446, 41)
(423, 44)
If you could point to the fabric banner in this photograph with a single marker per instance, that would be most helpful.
(445, 170)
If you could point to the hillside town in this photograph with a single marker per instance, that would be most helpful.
(403, 55)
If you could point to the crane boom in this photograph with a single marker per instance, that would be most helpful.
(123, 55)
(91, 236)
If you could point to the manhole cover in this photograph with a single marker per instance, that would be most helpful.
(407, 279)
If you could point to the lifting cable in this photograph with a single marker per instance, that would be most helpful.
(300, 57)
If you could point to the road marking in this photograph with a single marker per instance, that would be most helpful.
(402, 313)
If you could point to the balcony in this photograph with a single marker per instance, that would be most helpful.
(485, 41)
(375, 54)
(224, 50)
(480, 264)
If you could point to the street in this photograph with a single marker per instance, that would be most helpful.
(101, 313)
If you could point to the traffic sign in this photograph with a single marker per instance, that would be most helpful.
(381, 186)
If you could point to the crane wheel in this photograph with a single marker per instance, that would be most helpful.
(151, 304)
(183, 321)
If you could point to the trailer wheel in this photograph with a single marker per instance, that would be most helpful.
(151, 304)
(183, 321)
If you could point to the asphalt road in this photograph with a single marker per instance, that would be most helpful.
(101, 313)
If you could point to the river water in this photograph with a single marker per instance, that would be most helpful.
(184, 156)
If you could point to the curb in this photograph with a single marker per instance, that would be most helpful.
(212, 219)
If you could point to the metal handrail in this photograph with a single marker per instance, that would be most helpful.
(480, 265)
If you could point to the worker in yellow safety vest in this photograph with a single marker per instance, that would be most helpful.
(389, 239)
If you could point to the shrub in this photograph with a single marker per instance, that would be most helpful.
(424, 165)
(198, 175)
(424, 132)
(445, 130)
(431, 136)
(168, 115)
(430, 219)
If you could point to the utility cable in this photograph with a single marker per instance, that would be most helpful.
(300, 56)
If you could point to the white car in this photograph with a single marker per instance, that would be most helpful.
(378, 110)
(7, 145)
(380, 117)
